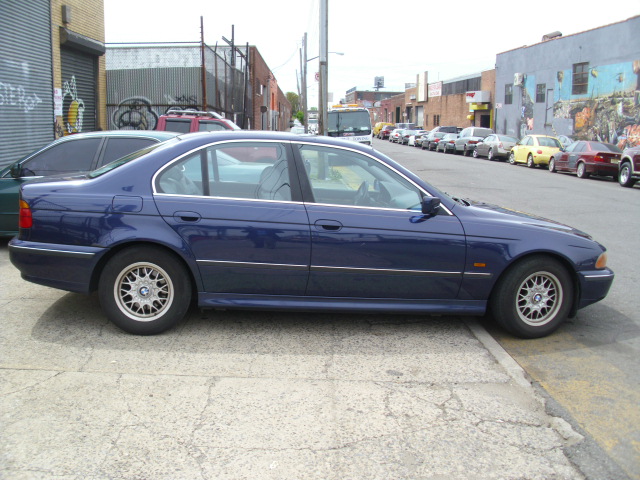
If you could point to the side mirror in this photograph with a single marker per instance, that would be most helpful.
(430, 205)
(16, 170)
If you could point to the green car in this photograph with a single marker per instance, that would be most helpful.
(73, 154)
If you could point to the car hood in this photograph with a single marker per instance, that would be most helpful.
(515, 217)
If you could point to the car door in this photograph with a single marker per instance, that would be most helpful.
(369, 238)
(522, 149)
(562, 158)
(574, 156)
(68, 156)
(239, 212)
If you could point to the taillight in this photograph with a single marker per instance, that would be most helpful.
(539, 152)
(25, 219)
(599, 158)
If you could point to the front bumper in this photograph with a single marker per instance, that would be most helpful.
(594, 286)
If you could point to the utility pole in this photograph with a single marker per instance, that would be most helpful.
(204, 70)
(303, 67)
(323, 118)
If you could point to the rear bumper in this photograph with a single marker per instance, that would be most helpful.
(65, 267)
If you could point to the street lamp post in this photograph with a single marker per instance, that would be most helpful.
(324, 68)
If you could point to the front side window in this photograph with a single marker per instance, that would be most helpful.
(250, 170)
(343, 177)
(65, 157)
(580, 83)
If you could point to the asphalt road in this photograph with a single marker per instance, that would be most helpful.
(590, 368)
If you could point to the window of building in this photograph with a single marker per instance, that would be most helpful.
(436, 120)
(580, 78)
(508, 94)
(541, 90)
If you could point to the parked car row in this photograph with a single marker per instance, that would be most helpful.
(558, 154)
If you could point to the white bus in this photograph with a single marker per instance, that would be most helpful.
(350, 122)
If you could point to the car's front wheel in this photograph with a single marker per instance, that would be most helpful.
(145, 290)
(512, 159)
(552, 166)
(475, 153)
(624, 177)
(533, 297)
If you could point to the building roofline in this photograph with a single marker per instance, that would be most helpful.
(570, 35)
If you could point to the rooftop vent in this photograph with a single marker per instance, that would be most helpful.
(551, 35)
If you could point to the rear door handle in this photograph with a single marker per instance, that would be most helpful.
(184, 216)
(328, 225)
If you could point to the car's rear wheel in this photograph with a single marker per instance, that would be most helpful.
(624, 177)
(533, 297)
(145, 290)
(581, 171)
(552, 166)
(512, 158)
(530, 162)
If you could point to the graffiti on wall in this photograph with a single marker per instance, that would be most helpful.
(609, 111)
(17, 96)
(72, 107)
(138, 113)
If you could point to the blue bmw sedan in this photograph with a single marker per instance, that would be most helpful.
(264, 220)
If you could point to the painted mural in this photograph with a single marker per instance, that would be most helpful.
(610, 111)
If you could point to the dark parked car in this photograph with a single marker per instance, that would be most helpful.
(322, 226)
(446, 129)
(80, 152)
(431, 142)
(585, 158)
(494, 146)
(385, 132)
(629, 167)
(469, 137)
(447, 144)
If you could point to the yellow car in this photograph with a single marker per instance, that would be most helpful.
(378, 126)
(534, 150)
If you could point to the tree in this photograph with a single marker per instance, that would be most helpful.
(294, 100)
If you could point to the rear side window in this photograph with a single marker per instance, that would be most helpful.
(209, 126)
(119, 147)
(66, 157)
(180, 125)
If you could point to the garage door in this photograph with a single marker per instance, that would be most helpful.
(79, 86)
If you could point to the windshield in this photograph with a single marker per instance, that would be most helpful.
(127, 158)
(349, 122)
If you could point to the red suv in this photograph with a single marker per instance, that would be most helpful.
(629, 167)
(185, 121)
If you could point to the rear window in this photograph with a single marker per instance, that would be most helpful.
(549, 142)
(605, 147)
(180, 125)
(482, 132)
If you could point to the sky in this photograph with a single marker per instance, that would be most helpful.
(377, 38)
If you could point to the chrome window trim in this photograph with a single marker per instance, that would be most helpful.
(292, 143)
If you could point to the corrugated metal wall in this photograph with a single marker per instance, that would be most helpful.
(144, 82)
(26, 78)
(79, 82)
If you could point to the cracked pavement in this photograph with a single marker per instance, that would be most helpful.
(253, 395)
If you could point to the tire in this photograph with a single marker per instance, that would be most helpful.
(533, 297)
(465, 152)
(475, 153)
(552, 166)
(530, 162)
(624, 176)
(490, 155)
(512, 158)
(145, 290)
(581, 171)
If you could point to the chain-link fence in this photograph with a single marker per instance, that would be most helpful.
(145, 81)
